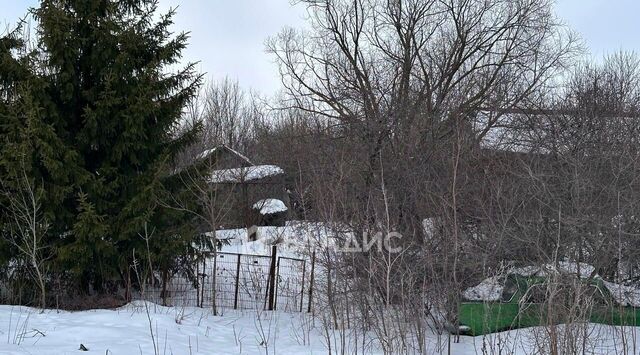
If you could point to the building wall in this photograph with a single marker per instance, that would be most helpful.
(236, 200)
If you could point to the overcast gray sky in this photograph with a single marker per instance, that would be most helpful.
(227, 36)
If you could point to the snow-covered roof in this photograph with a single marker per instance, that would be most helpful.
(270, 206)
(208, 152)
(249, 173)
(511, 132)
(528, 131)
(563, 267)
(623, 295)
(488, 290)
(205, 153)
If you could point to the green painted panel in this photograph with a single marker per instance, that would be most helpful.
(484, 318)
(489, 317)
(629, 316)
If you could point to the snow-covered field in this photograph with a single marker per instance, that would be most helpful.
(195, 331)
(128, 330)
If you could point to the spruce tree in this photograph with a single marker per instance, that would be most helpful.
(31, 153)
(114, 93)
(12, 72)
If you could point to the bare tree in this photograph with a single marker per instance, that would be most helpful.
(28, 226)
(397, 86)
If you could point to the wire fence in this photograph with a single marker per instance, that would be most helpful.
(222, 281)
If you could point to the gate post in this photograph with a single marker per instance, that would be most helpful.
(275, 301)
(304, 269)
(313, 266)
(203, 276)
(235, 299)
(214, 284)
(272, 277)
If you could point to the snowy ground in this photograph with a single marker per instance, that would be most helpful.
(195, 331)
(189, 330)
(127, 331)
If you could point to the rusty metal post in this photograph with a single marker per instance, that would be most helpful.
(304, 269)
(235, 299)
(275, 301)
(272, 277)
(214, 284)
(202, 275)
(313, 266)
(198, 286)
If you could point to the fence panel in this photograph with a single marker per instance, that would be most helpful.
(289, 284)
(249, 283)
(241, 281)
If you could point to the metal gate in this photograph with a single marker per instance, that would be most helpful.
(247, 281)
